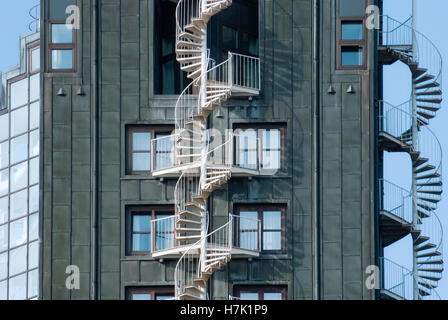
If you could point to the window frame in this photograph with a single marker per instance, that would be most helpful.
(351, 43)
(259, 128)
(153, 291)
(260, 208)
(152, 211)
(153, 130)
(260, 290)
(30, 59)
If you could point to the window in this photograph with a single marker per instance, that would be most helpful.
(272, 220)
(61, 39)
(34, 59)
(140, 239)
(260, 292)
(148, 293)
(351, 34)
(149, 148)
(260, 147)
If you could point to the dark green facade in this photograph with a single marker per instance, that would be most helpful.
(327, 185)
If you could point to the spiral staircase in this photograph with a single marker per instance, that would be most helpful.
(202, 166)
(404, 128)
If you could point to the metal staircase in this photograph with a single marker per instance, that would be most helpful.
(404, 128)
(203, 169)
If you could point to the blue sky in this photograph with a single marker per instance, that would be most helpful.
(431, 21)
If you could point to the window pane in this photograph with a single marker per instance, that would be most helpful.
(248, 230)
(18, 232)
(3, 265)
(17, 260)
(34, 116)
(34, 87)
(34, 143)
(33, 227)
(141, 296)
(34, 171)
(35, 59)
(4, 237)
(19, 149)
(19, 121)
(141, 223)
(164, 151)
(272, 296)
(164, 297)
(141, 161)
(4, 127)
(3, 210)
(352, 30)
(352, 56)
(248, 149)
(4, 182)
(19, 205)
(33, 283)
(33, 255)
(19, 93)
(62, 59)
(61, 33)
(19, 176)
(168, 77)
(141, 141)
(272, 240)
(271, 149)
(229, 37)
(17, 288)
(3, 291)
(248, 296)
(141, 242)
(351, 8)
(272, 220)
(34, 199)
(4, 154)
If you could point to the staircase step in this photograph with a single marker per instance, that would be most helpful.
(435, 192)
(419, 162)
(424, 78)
(429, 108)
(187, 296)
(438, 261)
(422, 122)
(191, 67)
(435, 270)
(420, 240)
(423, 292)
(194, 206)
(199, 23)
(198, 199)
(428, 85)
(422, 214)
(195, 289)
(193, 28)
(426, 207)
(428, 176)
(429, 199)
(425, 168)
(189, 213)
(426, 285)
(200, 282)
(429, 254)
(425, 247)
(188, 229)
(417, 72)
(425, 115)
(195, 75)
(430, 100)
(430, 184)
(430, 93)
(188, 44)
(188, 237)
(190, 222)
(193, 52)
(191, 36)
(432, 278)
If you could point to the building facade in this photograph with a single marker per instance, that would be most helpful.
(288, 206)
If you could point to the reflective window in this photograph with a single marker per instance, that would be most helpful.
(248, 149)
(19, 176)
(34, 171)
(3, 237)
(33, 283)
(3, 290)
(19, 149)
(61, 59)
(19, 93)
(34, 115)
(35, 59)
(164, 151)
(18, 232)
(272, 149)
(3, 209)
(352, 56)
(19, 204)
(351, 30)
(351, 8)
(272, 230)
(141, 296)
(3, 265)
(17, 288)
(141, 151)
(34, 87)
(141, 233)
(4, 182)
(19, 121)
(4, 154)
(260, 292)
(34, 199)
(4, 127)
(57, 9)
(61, 33)
(33, 255)
(17, 260)
(34, 143)
(33, 227)
(148, 293)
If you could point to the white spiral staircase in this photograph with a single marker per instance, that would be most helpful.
(404, 128)
(202, 167)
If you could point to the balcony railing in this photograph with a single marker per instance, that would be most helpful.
(396, 200)
(245, 71)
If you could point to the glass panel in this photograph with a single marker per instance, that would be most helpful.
(229, 37)
(167, 46)
(141, 223)
(168, 77)
(34, 87)
(3, 265)
(4, 127)
(18, 232)
(19, 93)
(271, 149)
(3, 291)
(33, 284)
(352, 30)
(34, 143)
(3, 210)
(34, 171)
(33, 227)
(19, 121)
(4, 237)
(272, 240)
(34, 199)
(19, 149)
(62, 59)
(248, 230)
(272, 220)
(248, 149)
(248, 296)
(141, 161)
(164, 151)
(17, 288)
(17, 260)
(19, 205)
(352, 56)
(141, 296)
(33, 255)
(272, 296)
(19, 176)
(4, 154)
(164, 232)
(34, 115)
(4, 182)
(164, 297)
(58, 9)
(141, 242)
(35, 59)
(61, 33)
(351, 8)
(141, 141)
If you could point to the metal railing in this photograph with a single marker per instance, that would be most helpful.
(396, 200)
(396, 120)
(34, 13)
(245, 71)
(164, 156)
(162, 233)
(247, 233)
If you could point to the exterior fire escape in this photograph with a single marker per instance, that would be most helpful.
(404, 128)
(202, 165)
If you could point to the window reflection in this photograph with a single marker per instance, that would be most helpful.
(34, 143)
(19, 176)
(34, 87)
(4, 127)
(4, 175)
(4, 154)
(17, 288)
(17, 260)
(33, 284)
(19, 93)
(19, 204)
(19, 149)
(61, 33)
(35, 60)
(62, 59)
(18, 234)
(19, 121)
(3, 210)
